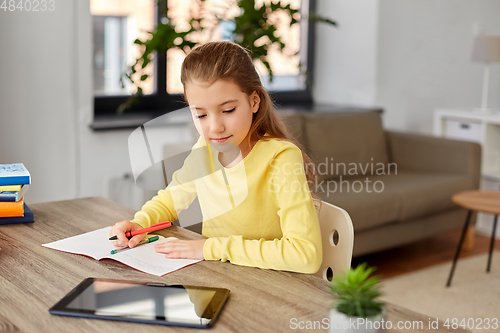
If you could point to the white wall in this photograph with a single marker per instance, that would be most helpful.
(37, 98)
(46, 105)
(345, 59)
(424, 62)
(408, 57)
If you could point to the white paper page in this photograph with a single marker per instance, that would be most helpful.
(146, 259)
(96, 244)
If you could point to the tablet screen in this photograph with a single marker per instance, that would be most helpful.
(140, 302)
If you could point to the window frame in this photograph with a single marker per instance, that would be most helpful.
(162, 102)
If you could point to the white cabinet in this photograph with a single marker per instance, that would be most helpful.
(483, 129)
(470, 126)
(463, 130)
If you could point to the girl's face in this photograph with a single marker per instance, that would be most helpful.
(222, 114)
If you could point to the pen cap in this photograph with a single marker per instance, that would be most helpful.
(153, 239)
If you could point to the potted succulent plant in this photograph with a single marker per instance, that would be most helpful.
(357, 307)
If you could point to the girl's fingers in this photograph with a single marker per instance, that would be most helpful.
(186, 254)
(122, 239)
(161, 248)
(181, 249)
(135, 240)
(120, 228)
(175, 255)
(167, 247)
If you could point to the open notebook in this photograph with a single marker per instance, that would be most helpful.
(144, 258)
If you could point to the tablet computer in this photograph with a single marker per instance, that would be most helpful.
(150, 303)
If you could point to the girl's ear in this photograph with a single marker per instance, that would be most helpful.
(255, 101)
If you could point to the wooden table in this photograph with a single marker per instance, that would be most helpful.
(479, 201)
(33, 278)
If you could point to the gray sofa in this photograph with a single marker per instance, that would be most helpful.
(396, 187)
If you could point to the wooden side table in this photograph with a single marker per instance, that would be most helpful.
(479, 201)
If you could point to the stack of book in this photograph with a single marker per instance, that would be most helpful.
(14, 183)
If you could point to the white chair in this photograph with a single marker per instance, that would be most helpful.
(337, 235)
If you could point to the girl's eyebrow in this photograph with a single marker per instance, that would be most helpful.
(224, 103)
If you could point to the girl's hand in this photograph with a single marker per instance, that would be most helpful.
(185, 249)
(120, 228)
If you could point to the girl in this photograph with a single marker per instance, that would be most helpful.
(248, 175)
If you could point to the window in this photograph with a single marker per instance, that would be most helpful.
(110, 54)
(118, 23)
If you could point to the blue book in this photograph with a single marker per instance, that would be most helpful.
(13, 196)
(28, 217)
(14, 174)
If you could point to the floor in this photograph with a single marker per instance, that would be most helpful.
(419, 255)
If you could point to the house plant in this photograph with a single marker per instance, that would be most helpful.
(254, 28)
(357, 295)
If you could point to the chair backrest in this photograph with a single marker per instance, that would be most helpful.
(193, 213)
(337, 234)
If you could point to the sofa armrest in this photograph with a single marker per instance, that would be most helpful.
(431, 154)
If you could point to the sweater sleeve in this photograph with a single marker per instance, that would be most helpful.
(300, 248)
(168, 203)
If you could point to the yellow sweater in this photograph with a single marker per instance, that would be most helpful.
(258, 213)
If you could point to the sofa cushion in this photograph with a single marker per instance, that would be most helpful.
(424, 194)
(342, 141)
(367, 210)
(403, 196)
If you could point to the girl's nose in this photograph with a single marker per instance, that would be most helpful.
(217, 125)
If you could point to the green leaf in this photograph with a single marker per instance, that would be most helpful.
(322, 19)
(145, 62)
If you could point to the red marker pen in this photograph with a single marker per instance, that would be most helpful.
(154, 227)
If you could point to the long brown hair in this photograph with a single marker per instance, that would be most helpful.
(226, 60)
